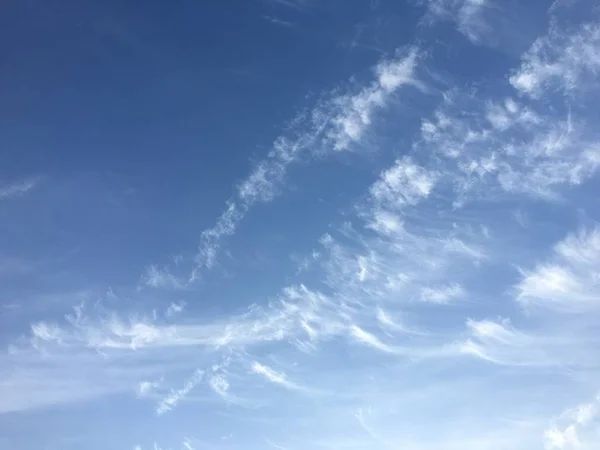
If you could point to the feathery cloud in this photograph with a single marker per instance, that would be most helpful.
(17, 189)
(575, 429)
(571, 281)
(158, 277)
(466, 14)
(404, 183)
(171, 400)
(273, 376)
(560, 61)
(336, 123)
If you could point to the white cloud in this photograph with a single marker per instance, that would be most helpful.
(146, 387)
(219, 384)
(211, 238)
(354, 112)
(158, 277)
(405, 183)
(499, 342)
(175, 308)
(441, 295)
(566, 61)
(187, 445)
(294, 4)
(369, 339)
(17, 189)
(466, 14)
(554, 149)
(175, 396)
(335, 124)
(561, 440)
(575, 429)
(570, 282)
(273, 376)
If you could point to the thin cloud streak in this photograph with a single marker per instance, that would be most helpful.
(335, 124)
(17, 189)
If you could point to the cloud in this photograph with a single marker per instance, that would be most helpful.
(211, 238)
(187, 445)
(369, 340)
(560, 61)
(570, 281)
(175, 308)
(277, 21)
(336, 123)
(294, 4)
(17, 189)
(499, 342)
(157, 277)
(273, 376)
(145, 387)
(403, 184)
(466, 14)
(353, 113)
(219, 384)
(170, 401)
(555, 147)
(563, 348)
(441, 295)
(575, 429)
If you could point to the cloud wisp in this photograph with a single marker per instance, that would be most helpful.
(337, 123)
(17, 189)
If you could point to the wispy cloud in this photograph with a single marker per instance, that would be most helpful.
(560, 61)
(294, 4)
(570, 281)
(277, 21)
(219, 384)
(17, 189)
(175, 308)
(575, 429)
(146, 387)
(274, 377)
(467, 14)
(555, 148)
(403, 184)
(158, 277)
(441, 295)
(334, 124)
(171, 400)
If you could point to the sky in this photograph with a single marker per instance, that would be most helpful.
(300, 224)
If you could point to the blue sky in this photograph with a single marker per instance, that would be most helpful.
(300, 224)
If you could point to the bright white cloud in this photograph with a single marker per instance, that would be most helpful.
(570, 281)
(146, 387)
(566, 61)
(273, 376)
(575, 429)
(170, 401)
(337, 124)
(403, 184)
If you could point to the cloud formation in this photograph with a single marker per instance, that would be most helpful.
(17, 189)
